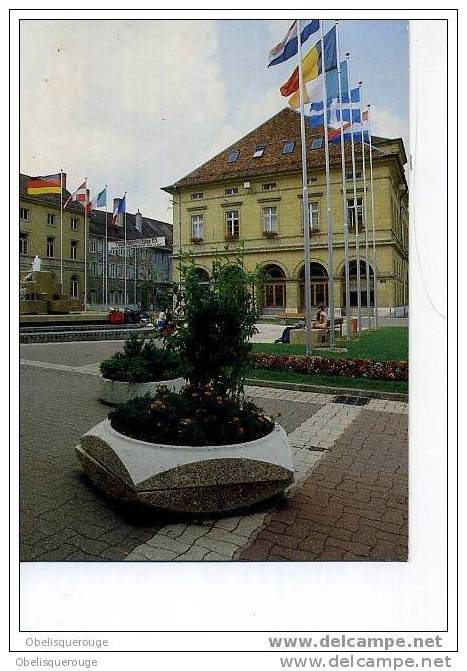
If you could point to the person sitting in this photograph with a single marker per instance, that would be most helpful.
(285, 337)
(321, 318)
(161, 320)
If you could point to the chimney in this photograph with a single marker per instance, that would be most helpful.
(139, 221)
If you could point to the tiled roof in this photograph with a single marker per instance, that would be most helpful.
(151, 228)
(274, 133)
(52, 199)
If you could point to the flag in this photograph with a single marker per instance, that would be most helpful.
(99, 201)
(357, 130)
(354, 95)
(313, 90)
(46, 184)
(312, 63)
(288, 47)
(79, 195)
(120, 208)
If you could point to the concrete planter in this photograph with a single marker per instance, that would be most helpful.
(186, 479)
(114, 393)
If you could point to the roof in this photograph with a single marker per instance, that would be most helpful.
(150, 227)
(52, 199)
(282, 127)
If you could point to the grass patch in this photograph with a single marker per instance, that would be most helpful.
(385, 344)
(329, 380)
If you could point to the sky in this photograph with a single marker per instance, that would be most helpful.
(138, 104)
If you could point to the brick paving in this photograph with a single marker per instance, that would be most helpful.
(352, 506)
(348, 500)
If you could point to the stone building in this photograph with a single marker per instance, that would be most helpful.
(39, 234)
(250, 194)
(149, 268)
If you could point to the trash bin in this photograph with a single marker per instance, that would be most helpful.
(353, 325)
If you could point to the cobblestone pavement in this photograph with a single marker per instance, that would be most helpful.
(348, 500)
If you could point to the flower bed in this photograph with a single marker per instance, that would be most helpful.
(375, 370)
(190, 417)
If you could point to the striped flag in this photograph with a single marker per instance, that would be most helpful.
(120, 208)
(80, 195)
(288, 46)
(312, 63)
(46, 184)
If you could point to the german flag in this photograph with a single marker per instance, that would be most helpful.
(46, 184)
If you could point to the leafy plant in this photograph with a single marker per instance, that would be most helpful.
(141, 361)
(195, 416)
(215, 323)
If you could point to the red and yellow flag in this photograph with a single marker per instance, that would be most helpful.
(46, 184)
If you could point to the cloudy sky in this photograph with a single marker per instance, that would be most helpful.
(138, 104)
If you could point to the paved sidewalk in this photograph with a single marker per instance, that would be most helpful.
(348, 500)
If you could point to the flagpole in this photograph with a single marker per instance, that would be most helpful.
(328, 199)
(124, 281)
(61, 228)
(365, 212)
(306, 211)
(344, 194)
(355, 206)
(135, 252)
(106, 274)
(375, 273)
(86, 201)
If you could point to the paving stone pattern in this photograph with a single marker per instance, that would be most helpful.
(348, 500)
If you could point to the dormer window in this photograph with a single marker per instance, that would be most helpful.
(288, 147)
(232, 191)
(233, 155)
(317, 143)
(269, 186)
(259, 151)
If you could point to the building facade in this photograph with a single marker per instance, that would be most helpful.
(250, 196)
(148, 269)
(40, 234)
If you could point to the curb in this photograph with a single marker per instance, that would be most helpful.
(345, 391)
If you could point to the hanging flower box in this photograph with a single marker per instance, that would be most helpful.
(270, 235)
(197, 241)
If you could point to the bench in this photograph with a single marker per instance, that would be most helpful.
(300, 316)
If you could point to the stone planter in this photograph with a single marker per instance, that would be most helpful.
(183, 478)
(114, 393)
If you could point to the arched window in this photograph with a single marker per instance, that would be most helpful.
(202, 275)
(353, 284)
(74, 287)
(274, 288)
(318, 285)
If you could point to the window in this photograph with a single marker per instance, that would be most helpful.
(349, 175)
(351, 214)
(50, 247)
(288, 147)
(92, 245)
(112, 270)
(100, 245)
(51, 219)
(269, 215)
(197, 226)
(74, 249)
(74, 287)
(196, 196)
(74, 224)
(259, 151)
(312, 180)
(120, 272)
(93, 268)
(233, 155)
(232, 223)
(314, 215)
(92, 296)
(232, 191)
(317, 143)
(23, 243)
(99, 269)
(24, 214)
(269, 186)
(131, 273)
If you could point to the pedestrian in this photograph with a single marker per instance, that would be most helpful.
(321, 318)
(161, 320)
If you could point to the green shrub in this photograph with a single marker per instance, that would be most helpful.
(141, 361)
(214, 325)
(194, 416)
